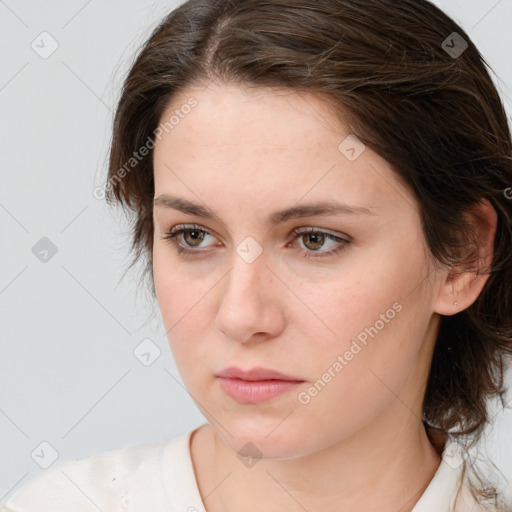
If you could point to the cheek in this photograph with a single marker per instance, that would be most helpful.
(177, 302)
(178, 292)
(356, 299)
(184, 300)
(373, 316)
(356, 374)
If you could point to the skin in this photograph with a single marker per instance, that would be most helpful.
(359, 444)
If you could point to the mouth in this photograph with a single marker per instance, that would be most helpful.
(256, 385)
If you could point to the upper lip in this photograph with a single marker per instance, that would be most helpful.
(254, 374)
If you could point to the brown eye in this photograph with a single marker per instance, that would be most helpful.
(188, 239)
(313, 241)
(193, 237)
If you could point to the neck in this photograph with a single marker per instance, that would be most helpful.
(375, 469)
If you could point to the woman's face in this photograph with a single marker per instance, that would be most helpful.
(347, 309)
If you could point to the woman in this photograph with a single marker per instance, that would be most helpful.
(321, 190)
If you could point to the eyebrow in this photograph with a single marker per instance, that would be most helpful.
(294, 212)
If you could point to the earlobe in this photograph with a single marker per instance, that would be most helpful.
(464, 282)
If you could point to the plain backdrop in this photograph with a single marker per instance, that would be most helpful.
(71, 383)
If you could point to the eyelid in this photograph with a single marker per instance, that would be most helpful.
(308, 229)
(179, 227)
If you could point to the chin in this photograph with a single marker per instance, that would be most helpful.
(259, 438)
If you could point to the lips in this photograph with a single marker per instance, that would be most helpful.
(257, 373)
(255, 385)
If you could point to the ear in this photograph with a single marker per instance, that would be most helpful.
(464, 281)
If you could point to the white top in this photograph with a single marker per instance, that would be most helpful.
(159, 477)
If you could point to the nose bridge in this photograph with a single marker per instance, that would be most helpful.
(248, 275)
(249, 302)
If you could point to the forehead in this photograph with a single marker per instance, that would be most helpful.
(226, 111)
(267, 143)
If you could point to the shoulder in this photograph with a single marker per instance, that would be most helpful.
(100, 482)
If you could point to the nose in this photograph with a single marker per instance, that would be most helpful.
(251, 307)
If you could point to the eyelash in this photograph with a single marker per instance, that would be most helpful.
(172, 235)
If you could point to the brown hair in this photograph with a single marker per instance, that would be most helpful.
(389, 69)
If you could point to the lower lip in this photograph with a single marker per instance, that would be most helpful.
(257, 391)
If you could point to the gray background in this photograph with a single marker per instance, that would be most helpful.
(69, 376)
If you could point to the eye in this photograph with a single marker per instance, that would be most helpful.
(187, 240)
(193, 235)
(314, 239)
